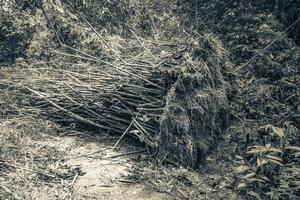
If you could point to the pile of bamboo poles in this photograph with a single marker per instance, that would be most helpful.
(114, 96)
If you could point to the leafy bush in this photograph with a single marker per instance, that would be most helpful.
(271, 170)
(15, 34)
(288, 11)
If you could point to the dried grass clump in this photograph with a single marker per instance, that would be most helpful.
(196, 104)
(26, 163)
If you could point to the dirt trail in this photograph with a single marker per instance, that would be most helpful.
(101, 176)
(45, 161)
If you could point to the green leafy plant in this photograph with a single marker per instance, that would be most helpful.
(272, 170)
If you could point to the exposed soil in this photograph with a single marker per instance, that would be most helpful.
(100, 176)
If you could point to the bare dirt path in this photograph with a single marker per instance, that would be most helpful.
(103, 171)
(41, 160)
(38, 161)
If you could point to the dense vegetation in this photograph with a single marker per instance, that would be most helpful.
(198, 82)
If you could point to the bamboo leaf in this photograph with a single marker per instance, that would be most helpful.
(263, 177)
(261, 161)
(294, 148)
(251, 180)
(274, 157)
(256, 149)
(241, 169)
(278, 131)
(276, 162)
(272, 149)
(270, 194)
(242, 185)
(250, 175)
(254, 194)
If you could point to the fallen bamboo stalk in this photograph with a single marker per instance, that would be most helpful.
(55, 32)
(125, 132)
(126, 154)
(75, 56)
(100, 36)
(127, 181)
(71, 114)
(30, 170)
(142, 44)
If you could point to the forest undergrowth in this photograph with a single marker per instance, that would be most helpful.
(211, 88)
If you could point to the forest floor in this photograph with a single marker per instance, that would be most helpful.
(41, 160)
(76, 166)
(255, 157)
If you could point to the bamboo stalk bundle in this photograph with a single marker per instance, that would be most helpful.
(172, 102)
